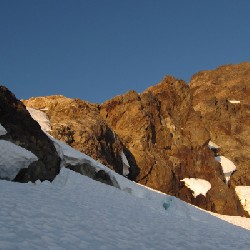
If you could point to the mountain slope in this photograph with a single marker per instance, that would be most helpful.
(83, 212)
(163, 138)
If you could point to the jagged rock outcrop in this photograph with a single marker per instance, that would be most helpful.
(169, 143)
(222, 97)
(23, 131)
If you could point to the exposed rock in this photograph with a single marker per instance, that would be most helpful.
(23, 131)
(222, 96)
(79, 124)
(169, 143)
(88, 170)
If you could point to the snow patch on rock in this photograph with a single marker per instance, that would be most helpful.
(3, 131)
(212, 145)
(243, 193)
(126, 165)
(69, 155)
(234, 101)
(228, 166)
(198, 186)
(41, 118)
(13, 158)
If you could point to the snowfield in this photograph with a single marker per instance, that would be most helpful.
(76, 212)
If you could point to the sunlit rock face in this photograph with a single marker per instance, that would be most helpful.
(222, 96)
(164, 133)
(169, 142)
(79, 124)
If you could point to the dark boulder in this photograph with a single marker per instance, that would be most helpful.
(23, 131)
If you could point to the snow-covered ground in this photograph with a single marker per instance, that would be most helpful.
(198, 186)
(75, 212)
(12, 159)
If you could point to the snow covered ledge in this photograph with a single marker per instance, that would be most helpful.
(2, 130)
(243, 193)
(198, 186)
(12, 159)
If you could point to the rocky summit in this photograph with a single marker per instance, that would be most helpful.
(163, 136)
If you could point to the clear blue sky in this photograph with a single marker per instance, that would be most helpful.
(96, 49)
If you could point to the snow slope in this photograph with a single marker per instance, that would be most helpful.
(75, 212)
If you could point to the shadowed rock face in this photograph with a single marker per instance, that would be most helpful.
(23, 131)
(164, 134)
(214, 96)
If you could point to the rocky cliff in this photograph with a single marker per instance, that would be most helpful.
(222, 97)
(160, 137)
